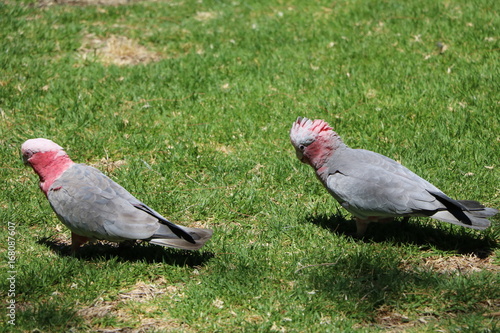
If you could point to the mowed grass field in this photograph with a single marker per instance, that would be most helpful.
(188, 105)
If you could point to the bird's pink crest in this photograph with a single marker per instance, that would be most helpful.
(316, 126)
(307, 130)
(40, 145)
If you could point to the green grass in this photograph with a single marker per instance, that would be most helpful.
(203, 134)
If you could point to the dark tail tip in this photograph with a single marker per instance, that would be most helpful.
(453, 206)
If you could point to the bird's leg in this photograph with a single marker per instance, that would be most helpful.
(361, 226)
(77, 241)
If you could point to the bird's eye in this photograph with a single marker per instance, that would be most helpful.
(302, 147)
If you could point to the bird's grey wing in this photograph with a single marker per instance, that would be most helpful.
(93, 205)
(370, 184)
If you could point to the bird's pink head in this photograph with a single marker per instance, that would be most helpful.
(313, 140)
(34, 146)
(48, 159)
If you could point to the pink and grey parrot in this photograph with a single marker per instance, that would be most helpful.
(375, 188)
(93, 206)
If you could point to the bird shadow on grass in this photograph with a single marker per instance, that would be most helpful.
(368, 281)
(130, 253)
(442, 236)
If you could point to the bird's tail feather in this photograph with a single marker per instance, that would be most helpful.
(166, 237)
(477, 209)
(173, 235)
(177, 243)
(466, 213)
(478, 223)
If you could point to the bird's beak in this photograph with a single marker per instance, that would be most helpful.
(300, 156)
(25, 159)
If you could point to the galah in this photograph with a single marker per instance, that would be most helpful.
(373, 187)
(94, 207)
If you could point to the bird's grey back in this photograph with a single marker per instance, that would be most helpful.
(93, 205)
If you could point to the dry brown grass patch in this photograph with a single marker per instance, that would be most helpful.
(133, 305)
(460, 264)
(392, 321)
(142, 292)
(116, 50)
(107, 164)
(205, 16)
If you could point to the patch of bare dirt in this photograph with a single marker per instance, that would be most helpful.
(116, 50)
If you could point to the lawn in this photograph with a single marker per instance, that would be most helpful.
(188, 105)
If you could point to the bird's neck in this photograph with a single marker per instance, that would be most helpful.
(321, 151)
(49, 166)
